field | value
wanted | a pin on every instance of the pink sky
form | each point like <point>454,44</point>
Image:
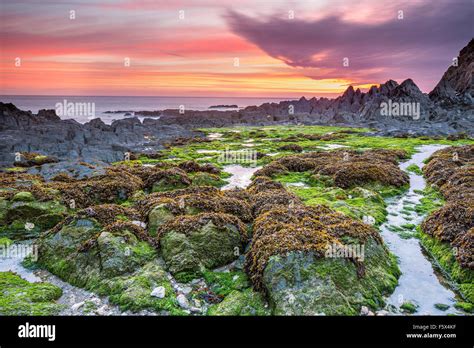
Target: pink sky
<point>283,48</point>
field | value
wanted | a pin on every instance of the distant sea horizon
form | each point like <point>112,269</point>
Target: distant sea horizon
<point>102,104</point>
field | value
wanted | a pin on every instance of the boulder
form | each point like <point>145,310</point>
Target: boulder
<point>203,241</point>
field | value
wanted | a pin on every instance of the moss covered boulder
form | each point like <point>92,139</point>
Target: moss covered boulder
<point>242,303</point>
<point>203,241</point>
<point>161,208</point>
<point>134,292</point>
<point>207,179</point>
<point>167,180</point>
<point>84,253</point>
<point>20,297</point>
<point>302,283</point>
<point>24,217</point>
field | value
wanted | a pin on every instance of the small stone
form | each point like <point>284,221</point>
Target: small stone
<point>382,312</point>
<point>196,281</point>
<point>95,301</point>
<point>76,306</point>
<point>187,290</point>
<point>182,301</point>
<point>364,310</point>
<point>102,310</point>
<point>195,309</point>
<point>139,223</point>
<point>159,292</point>
<point>234,278</point>
<point>291,298</point>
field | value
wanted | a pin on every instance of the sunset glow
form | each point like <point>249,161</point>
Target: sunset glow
<point>219,48</point>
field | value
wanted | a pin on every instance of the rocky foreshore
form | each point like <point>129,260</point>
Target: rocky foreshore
<point>167,233</point>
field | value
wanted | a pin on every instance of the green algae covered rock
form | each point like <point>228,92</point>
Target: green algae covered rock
<point>20,297</point>
<point>247,302</point>
<point>207,179</point>
<point>158,216</point>
<point>203,241</point>
<point>134,292</point>
<point>23,217</point>
<point>301,283</point>
<point>114,260</point>
<point>23,197</point>
<point>84,254</point>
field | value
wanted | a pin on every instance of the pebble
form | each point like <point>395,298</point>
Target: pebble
<point>139,223</point>
<point>187,290</point>
<point>182,301</point>
<point>76,306</point>
<point>102,310</point>
<point>364,310</point>
<point>159,292</point>
<point>382,312</point>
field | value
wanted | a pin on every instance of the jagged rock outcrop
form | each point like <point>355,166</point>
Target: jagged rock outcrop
<point>457,84</point>
<point>46,134</point>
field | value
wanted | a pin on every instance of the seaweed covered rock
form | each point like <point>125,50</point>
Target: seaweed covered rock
<point>291,147</point>
<point>347,168</point>
<point>168,179</point>
<point>24,217</point>
<point>207,179</point>
<point>111,187</point>
<point>83,251</point>
<point>134,292</point>
<point>450,221</point>
<point>447,233</point>
<point>452,171</point>
<point>242,303</point>
<point>31,159</point>
<point>361,173</point>
<point>465,249</point>
<point>20,297</point>
<point>302,257</point>
<point>160,208</point>
<point>203,241</point>
<point>192,166</point>
<point>452,163</point>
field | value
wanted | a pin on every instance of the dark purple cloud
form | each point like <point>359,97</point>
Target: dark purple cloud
<point>419,46</point>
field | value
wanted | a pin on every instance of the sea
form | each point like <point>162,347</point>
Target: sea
<point>101,104</point>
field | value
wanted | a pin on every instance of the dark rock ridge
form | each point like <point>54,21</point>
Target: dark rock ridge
<point>46,133</point>
<point>456,85</point>
<point>448,109</point>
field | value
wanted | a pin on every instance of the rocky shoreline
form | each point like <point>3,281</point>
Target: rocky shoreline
<point>160,234</point>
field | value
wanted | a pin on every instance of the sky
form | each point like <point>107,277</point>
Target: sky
<point>246,48</point>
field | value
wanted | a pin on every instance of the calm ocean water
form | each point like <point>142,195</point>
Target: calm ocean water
<point>102,104</point>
